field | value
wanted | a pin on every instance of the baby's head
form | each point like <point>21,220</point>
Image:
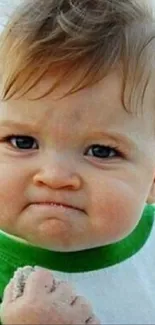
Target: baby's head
<point>76,76</point>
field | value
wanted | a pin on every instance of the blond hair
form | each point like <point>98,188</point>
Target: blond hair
<point>98,35</point>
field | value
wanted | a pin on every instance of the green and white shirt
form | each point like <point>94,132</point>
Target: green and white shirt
<point>118,279</point>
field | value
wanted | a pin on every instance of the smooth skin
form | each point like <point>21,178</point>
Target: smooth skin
<point>83,150</point>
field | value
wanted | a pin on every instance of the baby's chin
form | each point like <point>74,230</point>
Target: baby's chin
<point>53,239</point>
<point>58,245</point>
<point>58,242</point>
<point>65,246</point>
<point>71,243</point>
<point>59,236</point>
<point>63,243</point>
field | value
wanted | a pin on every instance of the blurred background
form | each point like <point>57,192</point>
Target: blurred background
<point>6,7</point>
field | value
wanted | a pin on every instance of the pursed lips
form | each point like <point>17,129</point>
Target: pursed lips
<point>57,204</point>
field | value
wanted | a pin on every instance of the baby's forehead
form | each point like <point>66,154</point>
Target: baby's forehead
<point>100,106</point>
<point>95,110</point>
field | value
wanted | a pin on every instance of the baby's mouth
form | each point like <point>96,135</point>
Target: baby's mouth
<point>51,208</point>
<point>55,205</point>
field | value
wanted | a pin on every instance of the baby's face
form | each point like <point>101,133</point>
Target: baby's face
<point>83,151</point>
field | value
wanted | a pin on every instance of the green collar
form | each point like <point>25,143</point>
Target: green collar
<point>18,254</point>
<point>14,254</point>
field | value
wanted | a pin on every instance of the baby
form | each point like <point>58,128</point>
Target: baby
<point>77,163</point>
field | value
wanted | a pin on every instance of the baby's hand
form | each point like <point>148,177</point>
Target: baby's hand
<point>37,298</point>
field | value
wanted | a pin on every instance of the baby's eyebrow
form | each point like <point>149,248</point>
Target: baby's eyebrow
<point>19,125</point>
<point>117,137</point>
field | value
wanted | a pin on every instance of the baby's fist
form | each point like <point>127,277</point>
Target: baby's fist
<point>33,296</point>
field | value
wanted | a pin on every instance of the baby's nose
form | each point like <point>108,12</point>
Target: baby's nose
<point>58,176</point>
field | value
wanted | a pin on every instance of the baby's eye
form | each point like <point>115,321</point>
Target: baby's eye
<point>23,142</point>
<point>100,151</point>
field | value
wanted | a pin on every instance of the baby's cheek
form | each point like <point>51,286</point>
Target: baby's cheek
<point>11,197</point>
<point>116,214</point>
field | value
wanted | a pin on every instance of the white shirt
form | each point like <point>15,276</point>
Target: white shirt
<point>123,293</point>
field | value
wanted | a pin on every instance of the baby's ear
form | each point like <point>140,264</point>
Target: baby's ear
<point>151,196</point>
